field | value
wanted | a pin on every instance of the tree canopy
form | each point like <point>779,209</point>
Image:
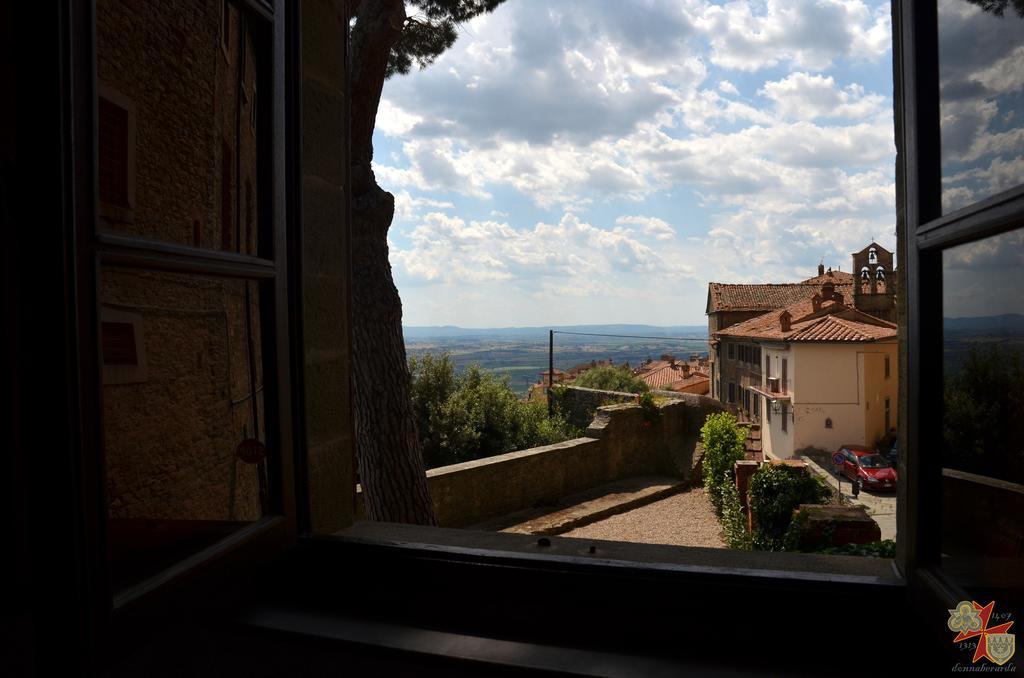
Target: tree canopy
<point>472,415</point>
<point>611,378</point>
<point>432,30</point>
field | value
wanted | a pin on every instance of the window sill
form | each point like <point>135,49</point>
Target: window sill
<point>497,598</point>
<point>506,547</point>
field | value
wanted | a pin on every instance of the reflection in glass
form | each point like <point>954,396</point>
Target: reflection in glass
<point>981,79</point>
<point>983,417</point>
<point>176,141</point>
<point>183,414</point>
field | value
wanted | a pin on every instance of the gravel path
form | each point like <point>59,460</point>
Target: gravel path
<point>685,519</point>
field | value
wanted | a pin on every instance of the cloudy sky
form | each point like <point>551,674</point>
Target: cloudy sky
<point>600,161</point>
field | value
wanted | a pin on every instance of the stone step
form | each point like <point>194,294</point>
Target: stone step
<point>587,507</point>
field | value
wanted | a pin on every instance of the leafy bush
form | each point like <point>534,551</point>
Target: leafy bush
<point>775,492</point>
<point>611,378</point>
<point>734,522</point>
<point>649,406</point>
<point>724,444</point>
<point>461,417</point>
<point>877,549</point>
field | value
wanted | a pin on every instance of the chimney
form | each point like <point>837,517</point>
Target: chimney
<point>821,268</point>
<point>784,320</point>
<point>816,302</point>
<point>828,290</point>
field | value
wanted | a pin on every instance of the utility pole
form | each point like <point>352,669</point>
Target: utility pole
<point>551,372</point>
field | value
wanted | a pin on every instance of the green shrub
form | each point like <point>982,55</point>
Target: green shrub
<point>775,492</point>
<point>724,444</point>
<point>649,407</point>
<point>734,522</point>
<point>461,417</point>
<point>611,378</point>
<point>876,549</point>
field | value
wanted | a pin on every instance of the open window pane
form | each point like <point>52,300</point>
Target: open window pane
<point>981,49</point>
<point>183,414</point>
<point>176,118</point>
<point>983,418</point>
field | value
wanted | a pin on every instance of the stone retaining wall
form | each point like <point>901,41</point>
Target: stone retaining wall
<point>621,442</point>
<point>579,404</point>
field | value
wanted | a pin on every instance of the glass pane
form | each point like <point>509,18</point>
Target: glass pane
<point>983,419</point>
<point>981,49</point>
<point>176,123</point>
<point>183,414</point>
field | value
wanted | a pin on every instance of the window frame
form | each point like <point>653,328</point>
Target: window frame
<point>110,610</point>
<point>927,233</point>
<point>920,241</point>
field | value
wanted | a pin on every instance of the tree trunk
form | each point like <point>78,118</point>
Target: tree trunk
<point>388,452</point>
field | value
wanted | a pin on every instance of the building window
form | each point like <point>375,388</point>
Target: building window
<point>225,29</point>
<point>122,347</point>
<point>115,154</point>
<point>227,222</point>
<point>785,375</point>
<point>785,418</point>
<point>732,392</point>
<point>112,153</point>
<point>887,367</point>
<point>732,351</point>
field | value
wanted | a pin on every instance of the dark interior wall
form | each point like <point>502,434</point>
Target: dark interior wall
<point>42,512</point>
<point>15,620</point>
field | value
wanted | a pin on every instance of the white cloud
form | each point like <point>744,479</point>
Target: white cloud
<point>810,34</point>
<point>652,226</point>
<point>589,109</point>
<point>447,249</point>
<point>801,96</point>
<point>726,87</point>
<point>393,121</point>
<point>406,205</point>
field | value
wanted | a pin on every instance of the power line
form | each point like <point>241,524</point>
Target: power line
<point>629,336</point>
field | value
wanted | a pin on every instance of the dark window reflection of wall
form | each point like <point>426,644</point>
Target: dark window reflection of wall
<point>183,402</point>
<point>174,118</point>
<point>981,52</point>
<point>176,478</point>
<point>983,417</point>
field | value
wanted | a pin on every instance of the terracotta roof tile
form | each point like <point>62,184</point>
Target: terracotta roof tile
<point>833,321</point>
<point>665,376</point>
<point>770,296</point>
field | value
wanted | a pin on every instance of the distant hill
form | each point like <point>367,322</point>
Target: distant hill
<point>1010,323</point>
<point>537,333</point>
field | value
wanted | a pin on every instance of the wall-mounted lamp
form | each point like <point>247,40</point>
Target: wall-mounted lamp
<point>776,406</point>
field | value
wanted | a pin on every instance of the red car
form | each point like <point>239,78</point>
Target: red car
<point>867,466</point>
